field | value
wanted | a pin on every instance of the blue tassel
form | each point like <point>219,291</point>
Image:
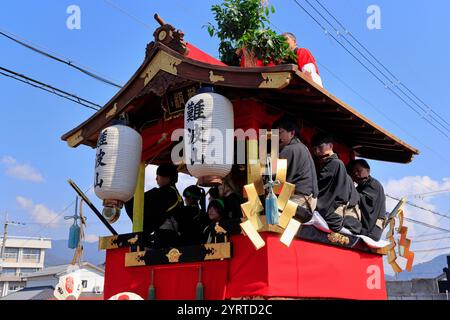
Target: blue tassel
<point>151,289</point>
<point>74,236</point>
<point>199,291</point>
<point>271,208</point>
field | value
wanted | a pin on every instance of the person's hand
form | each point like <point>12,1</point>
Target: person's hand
<point>308,74</point>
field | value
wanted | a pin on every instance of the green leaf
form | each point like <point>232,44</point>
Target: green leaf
<point>272,8</point>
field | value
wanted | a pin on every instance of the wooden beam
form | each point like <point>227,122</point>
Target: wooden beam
<point>197,253</point>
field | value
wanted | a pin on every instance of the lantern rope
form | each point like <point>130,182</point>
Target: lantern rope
<point>78,254</point>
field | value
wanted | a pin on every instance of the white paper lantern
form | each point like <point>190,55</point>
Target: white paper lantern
<point>207,117</point>
<point>69,286</point>
<point>118,156</point>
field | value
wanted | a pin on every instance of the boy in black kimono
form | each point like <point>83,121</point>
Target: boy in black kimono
<point>301,170</point>
<point>372,200</point>
<point>161,206</point>
<point>338,198</point>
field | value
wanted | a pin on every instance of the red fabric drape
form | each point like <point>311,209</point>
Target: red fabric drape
<point>171,282</point>
<point>304,270</point>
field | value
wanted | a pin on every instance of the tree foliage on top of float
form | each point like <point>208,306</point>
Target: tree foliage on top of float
<point>242,24</point>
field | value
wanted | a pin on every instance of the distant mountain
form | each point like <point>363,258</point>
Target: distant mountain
<point>61,254</point>
<point>429,269</point>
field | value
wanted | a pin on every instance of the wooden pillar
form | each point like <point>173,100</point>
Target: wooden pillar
<point>138,204</point>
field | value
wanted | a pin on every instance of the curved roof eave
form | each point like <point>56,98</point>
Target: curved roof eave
<point>283,85</point>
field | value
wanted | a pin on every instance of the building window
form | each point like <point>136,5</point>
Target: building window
<point>11,254</point>
<point>15,286</point>
<point>84,284</point>
<point>9,271</point>
<point>28,270</point>
<point>31,255</point>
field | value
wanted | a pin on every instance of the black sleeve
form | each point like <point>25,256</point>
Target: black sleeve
<point>233,206</point>
<point>168,201</point>
<point>353,193</point>
<point>367,202</point>
<point>333,191</point>
<point>342,187</point>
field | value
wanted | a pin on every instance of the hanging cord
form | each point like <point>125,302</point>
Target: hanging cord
<point>151,289</point>
<point>199,292</point>
<point>78,254</point>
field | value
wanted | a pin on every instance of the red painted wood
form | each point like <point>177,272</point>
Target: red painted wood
<point>304,270</point>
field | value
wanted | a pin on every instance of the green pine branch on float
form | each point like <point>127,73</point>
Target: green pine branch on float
<point>242,27</point>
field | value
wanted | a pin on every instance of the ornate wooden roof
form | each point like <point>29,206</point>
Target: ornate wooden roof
<point>283,87</point>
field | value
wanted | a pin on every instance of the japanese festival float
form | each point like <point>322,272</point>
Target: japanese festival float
<point>178,86</point>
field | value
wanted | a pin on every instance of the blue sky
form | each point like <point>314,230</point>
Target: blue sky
<point>412,42</point>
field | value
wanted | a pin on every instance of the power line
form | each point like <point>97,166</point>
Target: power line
<point>66,61</point>
<point>382,113</point>
<point>419,207</point>
<point>378,61</point>
<point>434,239</point>
<point>130,15</point>
<point>371,63</point>
<point>431,234</point>
<point>370,71</point>
<point>374,107</point>
<point>426,224</point>
<point>49,88</point>
<point>430,250</point>
<point>427,194</point>
<point>46,225</point>
<point>444,126</point>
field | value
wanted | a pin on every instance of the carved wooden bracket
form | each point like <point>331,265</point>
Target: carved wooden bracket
<point>169,36</point>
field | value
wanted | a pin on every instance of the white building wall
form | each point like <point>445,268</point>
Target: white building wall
<point>93,278</point>
<point>22,243</point>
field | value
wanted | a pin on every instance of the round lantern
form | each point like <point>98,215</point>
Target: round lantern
<point>208,135</point>
<point>117,161</point>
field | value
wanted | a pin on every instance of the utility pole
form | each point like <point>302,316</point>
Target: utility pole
<point>5,235</point>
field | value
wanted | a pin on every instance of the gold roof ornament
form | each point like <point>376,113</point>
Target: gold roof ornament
<point>403,243</point>
<point>253,208</point>
<point>174,255</point>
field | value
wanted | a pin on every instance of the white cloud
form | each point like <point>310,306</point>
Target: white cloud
<point>24,203</point>
<point>8,160</point>
<point>39,212</point>
<point>91,238</point>
<point>21,171</point>
<point>411,186</point>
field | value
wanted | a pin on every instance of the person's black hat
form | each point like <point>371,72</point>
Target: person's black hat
<point>169,171</point>
<point>219,205</point>
<point>193,191</point>
<point>320,138</point>
<point>287,123</point>
<point>214,192</point>
<point>363,163</point>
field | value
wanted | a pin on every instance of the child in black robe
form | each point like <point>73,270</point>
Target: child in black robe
<point>372,200</point>
<point>338,198</point>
